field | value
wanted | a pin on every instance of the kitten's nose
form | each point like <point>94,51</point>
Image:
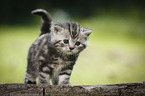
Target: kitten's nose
<point>71,48</point>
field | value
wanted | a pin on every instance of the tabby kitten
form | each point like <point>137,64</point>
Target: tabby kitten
<point>54,53</point>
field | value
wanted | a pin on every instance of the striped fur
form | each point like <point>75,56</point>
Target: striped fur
<point>54,53</point>
<point>46,20</point>
<point>74,29</point>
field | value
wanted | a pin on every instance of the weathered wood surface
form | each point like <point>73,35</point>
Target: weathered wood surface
<point>128,89</point>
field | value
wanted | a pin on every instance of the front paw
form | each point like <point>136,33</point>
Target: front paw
<point>66,85</point>
<point>30,82</point>
<point>43,85</point>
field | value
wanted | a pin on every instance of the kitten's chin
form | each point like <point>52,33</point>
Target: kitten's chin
<point>69,53</point>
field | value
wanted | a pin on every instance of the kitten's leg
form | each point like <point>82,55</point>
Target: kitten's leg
<point>43,79</point>
<point>64,76</point>
<point>31,74</point>
<point>30,78</point>
<point>44,76</point>
<point>64,80</point>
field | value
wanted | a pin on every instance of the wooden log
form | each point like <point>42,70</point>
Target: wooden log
<point>125,89</point>
<point>20,90</point>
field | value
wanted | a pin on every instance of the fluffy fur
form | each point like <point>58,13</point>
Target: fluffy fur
<point>54,53</point>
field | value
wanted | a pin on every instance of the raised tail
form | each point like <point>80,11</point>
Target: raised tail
<point>46,20</point>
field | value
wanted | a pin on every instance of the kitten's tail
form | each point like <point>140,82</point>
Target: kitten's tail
<point>46,20</point>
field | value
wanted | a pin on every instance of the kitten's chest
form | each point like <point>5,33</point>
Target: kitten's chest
<point>59,62</point>
<point>55,59</point>
<point>58,65</point>
<point>54,56</point>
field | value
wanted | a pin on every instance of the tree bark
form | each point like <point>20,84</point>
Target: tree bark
<point>125,89</point>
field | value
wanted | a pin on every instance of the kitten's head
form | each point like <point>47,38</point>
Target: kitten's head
<point>70,38</point>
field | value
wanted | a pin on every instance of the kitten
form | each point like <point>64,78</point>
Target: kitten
<point>54,53</point>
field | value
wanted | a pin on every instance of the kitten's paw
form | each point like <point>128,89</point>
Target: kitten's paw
<point>30,82</point>
<point>42,85</point>
<point>66,85</point>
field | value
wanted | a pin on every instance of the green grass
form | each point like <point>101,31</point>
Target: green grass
<point>115,53</point>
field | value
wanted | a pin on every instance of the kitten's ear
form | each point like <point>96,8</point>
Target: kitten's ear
<point>57,28</point>
<point>87,31</point>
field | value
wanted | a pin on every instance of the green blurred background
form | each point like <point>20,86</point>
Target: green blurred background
<point>116,51</point>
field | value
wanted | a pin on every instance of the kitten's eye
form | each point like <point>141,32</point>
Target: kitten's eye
<point>77,43</point>
<point>66,41</point>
